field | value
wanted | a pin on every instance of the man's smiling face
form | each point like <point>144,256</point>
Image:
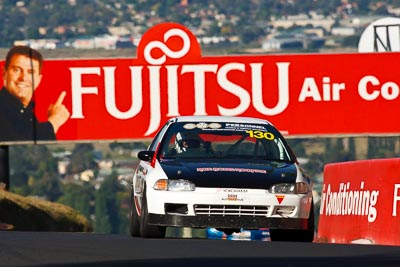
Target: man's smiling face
<point>19,76</point>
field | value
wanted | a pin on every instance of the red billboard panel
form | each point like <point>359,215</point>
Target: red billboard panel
<point>360,202</point>
<point>302,94</point>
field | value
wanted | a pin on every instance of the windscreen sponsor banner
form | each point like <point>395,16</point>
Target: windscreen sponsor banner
<point>360,202</point>
<point>302,94</point>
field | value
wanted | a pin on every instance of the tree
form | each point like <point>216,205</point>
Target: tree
<point>251,34</point>
<point>79,197</point>
<point>82,158</point>
<point>108,216</point>
<point>102,219</point>
<point>123,199</point>
<point>47,186</point>
<point>37,162</point>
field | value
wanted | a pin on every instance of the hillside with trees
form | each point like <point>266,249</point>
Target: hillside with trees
<point>39,19</point>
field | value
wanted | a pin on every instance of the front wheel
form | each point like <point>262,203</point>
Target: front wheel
<point>134,219</point>
<point>296,235</point>
<point>147,230</point>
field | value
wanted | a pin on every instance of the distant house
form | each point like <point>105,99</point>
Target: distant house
<point>343,31</point>
<point>125,41</point>
<point>303,20</point>
<point>82,43</point>
<point>87,175</point>
<point>91,42</point>
<point>292,41</point>
<point>280,42</point>
<point>40,43</point>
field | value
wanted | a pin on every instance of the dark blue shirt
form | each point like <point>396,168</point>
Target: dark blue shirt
<point>19,123</point>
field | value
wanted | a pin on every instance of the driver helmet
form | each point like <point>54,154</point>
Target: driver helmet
<point>186,140</point>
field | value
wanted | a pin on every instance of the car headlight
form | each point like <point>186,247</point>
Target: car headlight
<point>174,185</point>
<point>297,188</point>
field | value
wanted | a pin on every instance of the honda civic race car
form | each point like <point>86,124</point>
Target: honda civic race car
<point>221,172</point>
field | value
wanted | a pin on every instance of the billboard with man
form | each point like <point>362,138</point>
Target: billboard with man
<point>129,98</point>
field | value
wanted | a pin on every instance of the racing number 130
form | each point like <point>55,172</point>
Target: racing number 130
<point>260,134</point>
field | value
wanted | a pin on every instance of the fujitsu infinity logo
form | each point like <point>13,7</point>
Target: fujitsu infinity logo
<point>165,49</point>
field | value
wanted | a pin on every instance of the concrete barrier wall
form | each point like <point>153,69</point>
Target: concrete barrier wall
<point>360,202</point>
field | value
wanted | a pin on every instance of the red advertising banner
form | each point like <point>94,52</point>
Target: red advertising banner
<point>360,202</point>
<point>302,94</point>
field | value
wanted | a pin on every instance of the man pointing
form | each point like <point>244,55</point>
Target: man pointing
<point>21,76</point>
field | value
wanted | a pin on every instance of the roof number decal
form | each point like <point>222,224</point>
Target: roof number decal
<point>260,134</point>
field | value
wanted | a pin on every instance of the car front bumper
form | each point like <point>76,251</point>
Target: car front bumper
<point>228,222</point>
<point>229,208</point>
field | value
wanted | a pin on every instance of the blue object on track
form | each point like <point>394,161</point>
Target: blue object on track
<point>244,235</point>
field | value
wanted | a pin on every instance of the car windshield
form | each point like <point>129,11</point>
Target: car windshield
<point>223,140</point>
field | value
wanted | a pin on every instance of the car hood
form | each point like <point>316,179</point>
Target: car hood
<point>231,174</point>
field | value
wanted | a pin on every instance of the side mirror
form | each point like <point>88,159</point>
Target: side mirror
<point>145,155</point>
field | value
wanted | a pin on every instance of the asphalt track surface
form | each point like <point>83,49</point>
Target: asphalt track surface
<point>83,249</point>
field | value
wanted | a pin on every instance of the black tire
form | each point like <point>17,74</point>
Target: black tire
<point>134,218</point>
<point>296,235</point>
<point>309,235</point>
<point>147,230</point>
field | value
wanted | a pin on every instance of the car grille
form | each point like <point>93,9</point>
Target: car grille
<point>230,210</point>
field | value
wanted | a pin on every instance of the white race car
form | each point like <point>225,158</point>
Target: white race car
<point>222,172</point>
